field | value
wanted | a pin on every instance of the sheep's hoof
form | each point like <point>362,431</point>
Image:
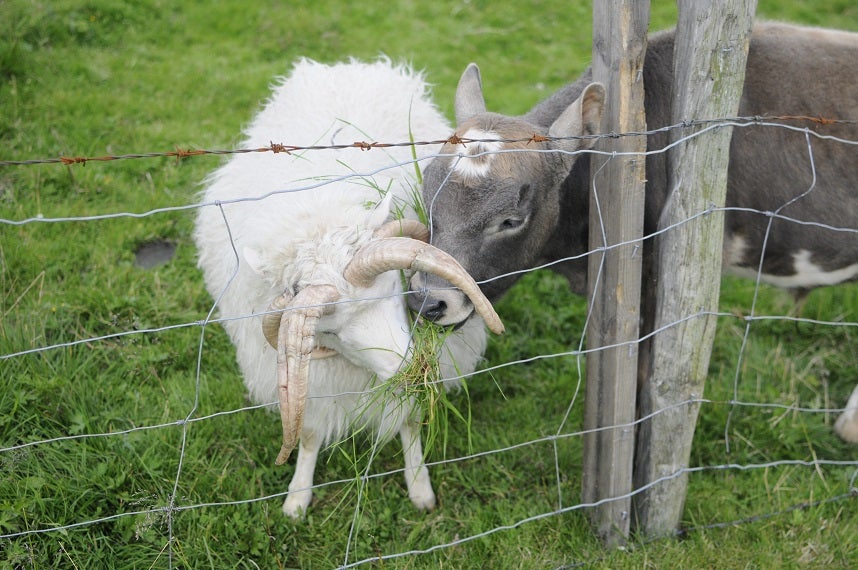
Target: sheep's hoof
<point>423,499</point>
<point>846,426</point>
<point>296,504</point>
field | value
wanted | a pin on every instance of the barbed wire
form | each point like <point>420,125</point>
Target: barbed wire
<point>277,148</point>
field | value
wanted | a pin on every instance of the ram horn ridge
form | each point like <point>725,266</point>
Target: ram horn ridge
<point>295,341</point>
<point>392,253</point>
<point>271,325</point>
<point>404,227</point>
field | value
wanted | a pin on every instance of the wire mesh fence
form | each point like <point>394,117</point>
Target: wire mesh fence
<point>773,419</point>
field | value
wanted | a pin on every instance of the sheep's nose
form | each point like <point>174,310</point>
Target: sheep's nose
<point>434,310</point>
<point>429,307</point>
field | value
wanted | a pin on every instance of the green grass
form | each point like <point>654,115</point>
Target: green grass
<point>96,77</point>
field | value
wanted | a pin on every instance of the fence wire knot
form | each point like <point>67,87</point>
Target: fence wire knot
<point>278,147</point>
<point>69,160</point>
<point>185,153</point>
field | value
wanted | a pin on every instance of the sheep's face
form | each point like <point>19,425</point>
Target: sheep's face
<point>367,325</point>
<point>497,212</point>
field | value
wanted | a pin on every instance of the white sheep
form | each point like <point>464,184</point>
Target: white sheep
<point>326,256</point>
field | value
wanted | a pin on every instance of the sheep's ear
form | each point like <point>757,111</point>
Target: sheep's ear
<point>381,212</point>
<point>581,118</point>
<point>254,260</point>
<point>469,94</point>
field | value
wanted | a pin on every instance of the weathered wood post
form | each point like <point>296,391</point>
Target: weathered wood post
<point>709,70</point>
<point>616,216</point>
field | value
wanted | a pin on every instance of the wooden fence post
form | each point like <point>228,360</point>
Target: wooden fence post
<point>709,69</point>
<point>616,216</point>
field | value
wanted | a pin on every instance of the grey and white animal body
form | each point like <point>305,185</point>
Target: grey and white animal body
<point>505,213</point>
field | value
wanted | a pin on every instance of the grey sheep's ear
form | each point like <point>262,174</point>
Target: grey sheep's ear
<point>581,118</point>
<point>469,94</point>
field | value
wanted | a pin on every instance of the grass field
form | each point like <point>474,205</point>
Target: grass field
<point>97,77</point>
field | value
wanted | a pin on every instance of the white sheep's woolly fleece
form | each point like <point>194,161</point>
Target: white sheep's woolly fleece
<point>308,236</point>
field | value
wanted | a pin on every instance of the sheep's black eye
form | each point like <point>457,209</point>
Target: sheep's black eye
<point>510,224</point>
<point>505,227</point>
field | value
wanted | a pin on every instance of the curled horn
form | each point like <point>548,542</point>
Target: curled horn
<point>295,342</point>
<point>271,321</point>
<point>274,313</point>
<point>380,255</point>
<point>271,324</point>
<point>404,227</point>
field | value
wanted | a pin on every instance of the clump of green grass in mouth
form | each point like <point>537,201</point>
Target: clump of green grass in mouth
<point>420,379</point>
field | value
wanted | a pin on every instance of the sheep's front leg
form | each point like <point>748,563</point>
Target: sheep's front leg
<point>300,488</point>
<point>416,475</point>
<point>846,425</point>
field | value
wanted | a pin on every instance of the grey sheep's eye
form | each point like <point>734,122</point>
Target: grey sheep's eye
<point>510,224</point>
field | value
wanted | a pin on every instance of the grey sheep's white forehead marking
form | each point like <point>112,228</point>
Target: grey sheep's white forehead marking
<point>476,158</point>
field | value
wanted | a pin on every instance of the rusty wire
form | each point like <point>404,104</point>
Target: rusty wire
<point>272,147</point>
<point>453,139</point>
